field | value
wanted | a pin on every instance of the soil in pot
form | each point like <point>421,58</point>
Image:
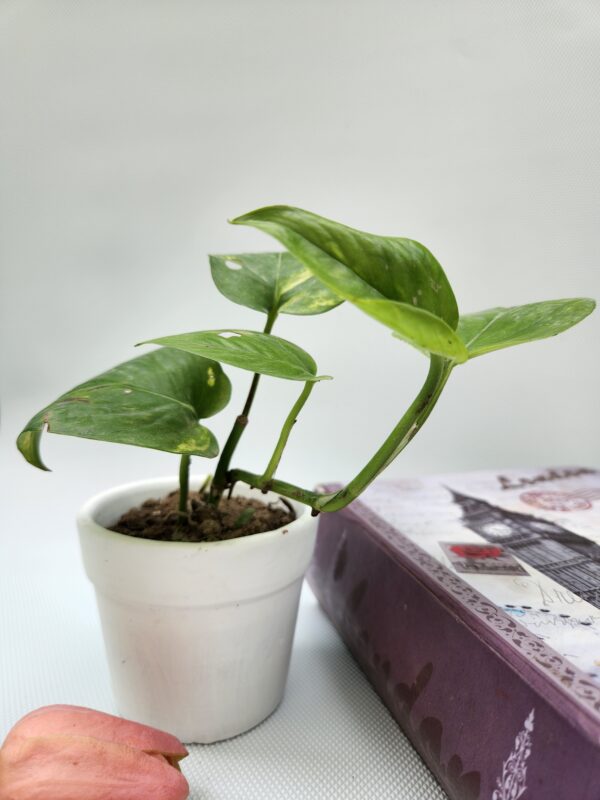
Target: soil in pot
<point>234,517</point>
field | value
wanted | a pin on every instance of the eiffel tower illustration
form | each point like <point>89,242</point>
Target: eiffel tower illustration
<point>571,560</point>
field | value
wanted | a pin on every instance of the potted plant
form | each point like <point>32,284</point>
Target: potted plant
<point>198,591</point>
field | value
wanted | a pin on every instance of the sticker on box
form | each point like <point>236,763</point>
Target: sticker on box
<point>482,559</point>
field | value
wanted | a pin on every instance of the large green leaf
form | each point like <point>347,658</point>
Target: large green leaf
<point>357,265</point>
<point>257,352</point>
<point>154,401</point>
<point>496,328</point>
<point>274,283</point>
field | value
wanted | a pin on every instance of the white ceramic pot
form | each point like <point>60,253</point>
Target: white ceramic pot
<point>198,635</point>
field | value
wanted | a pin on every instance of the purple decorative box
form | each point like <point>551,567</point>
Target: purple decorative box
<point>472,603</point>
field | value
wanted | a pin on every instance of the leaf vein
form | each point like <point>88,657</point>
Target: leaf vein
<point>120,385</point>
<point>485,327</point>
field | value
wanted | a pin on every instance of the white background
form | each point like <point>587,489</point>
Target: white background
<point>129,133</point>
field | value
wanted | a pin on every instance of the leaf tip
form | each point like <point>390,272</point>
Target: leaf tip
<point>263,214</point>
<point>28,443</point>
<point>589,303</point>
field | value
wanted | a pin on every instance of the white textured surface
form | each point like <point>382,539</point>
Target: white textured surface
<point>331,737</point>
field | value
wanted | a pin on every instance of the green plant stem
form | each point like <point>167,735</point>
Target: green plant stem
<point>219,482</point>
<point>184,484</point>
<point>403,433</point>
<point>285,433</point>
<point>279,487</point>
<point>405,430</point>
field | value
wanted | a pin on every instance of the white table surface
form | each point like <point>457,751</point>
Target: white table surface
<point>330,738</point>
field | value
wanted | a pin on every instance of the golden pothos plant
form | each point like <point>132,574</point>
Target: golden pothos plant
<point>161,399</point>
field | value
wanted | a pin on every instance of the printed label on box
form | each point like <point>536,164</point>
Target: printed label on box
<point>484,559</point>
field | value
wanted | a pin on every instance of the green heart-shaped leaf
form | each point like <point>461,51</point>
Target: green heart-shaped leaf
<point>357,265</point>
<point>153,401</point>
<point>496,328</point>
<point>274,283</point>
<point>256,352</point>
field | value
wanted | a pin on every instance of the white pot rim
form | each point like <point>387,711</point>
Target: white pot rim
<point>88,514</point>
<point>139,570</point>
